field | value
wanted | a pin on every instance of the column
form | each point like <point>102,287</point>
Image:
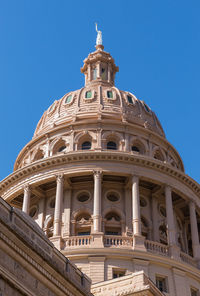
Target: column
<point>89,73</point>
<point>67,212</point>
<point>194,231</point>
<point>126,146</point>
<point>138,239</point>
<point>128,210</point>
<point>41,212</point>
<point>97,202</point>
<point>136,206</point>
<point>109,72</point>
<point>98,70</point>
<point>154,201</point>
<point>58,206</point>
<point>170,216</point>
<point>26,199</point>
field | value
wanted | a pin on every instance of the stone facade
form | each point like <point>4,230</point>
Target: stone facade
<point>29,262</point>
<point>108,189</point>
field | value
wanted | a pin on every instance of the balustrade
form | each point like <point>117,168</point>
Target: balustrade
<point>188,259</point>
<point>114,241</point>
<point>77,241</point>
<point>156,247</point>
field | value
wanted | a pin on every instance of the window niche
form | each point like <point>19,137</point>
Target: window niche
<point>161,283</point>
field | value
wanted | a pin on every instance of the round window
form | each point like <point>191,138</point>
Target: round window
<point>143,202</point>
<point>83,197</point>
<point>52,203</point>
<point>112,197</point>
<point>33,212</point>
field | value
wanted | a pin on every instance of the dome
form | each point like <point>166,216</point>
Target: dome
<point>99,108</point>
<point>107,188</point>
<point>99,100</point>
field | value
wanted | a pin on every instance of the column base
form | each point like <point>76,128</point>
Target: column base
<point>97,240</point>
<point>138,243</point>
<point>57,241</point>
<point>174,252</point>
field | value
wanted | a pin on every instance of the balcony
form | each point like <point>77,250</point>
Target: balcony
<point>121,242</point>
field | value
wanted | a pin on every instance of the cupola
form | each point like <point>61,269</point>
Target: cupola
<point>99,66</point>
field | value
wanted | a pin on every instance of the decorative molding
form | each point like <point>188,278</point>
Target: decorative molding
<point>123,157</point>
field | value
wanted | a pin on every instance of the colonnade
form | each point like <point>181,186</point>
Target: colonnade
<point>63,200</point>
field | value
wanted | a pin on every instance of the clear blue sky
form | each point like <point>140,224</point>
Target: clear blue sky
<point>156,45</point>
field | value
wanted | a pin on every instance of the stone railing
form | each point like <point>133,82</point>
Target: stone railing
<point>78,241</point>
<point>156,247</point>
<point>118,241</point>
<point>188,259</point>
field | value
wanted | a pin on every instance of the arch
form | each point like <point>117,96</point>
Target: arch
<point>159,154</point>
<point>38,154</point>
<point>114,209</point>
<point>112,223</point>
<point>140,144</point>
<point>81,210</point>
<point>82,223</point>
<point>112,136</point>
<point>59,146</point>
<point>84,136</point>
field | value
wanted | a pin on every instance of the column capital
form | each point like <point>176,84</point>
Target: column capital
<point>168,187</point>
<point>27,188</point>
<point>97,173</point>
<point>192,203</point>
<point>135,178</point>
<point>60,178</point>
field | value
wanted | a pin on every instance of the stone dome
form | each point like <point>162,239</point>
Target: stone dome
<point>99,99</point>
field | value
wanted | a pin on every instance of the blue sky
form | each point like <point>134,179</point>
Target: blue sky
<point>156,45</point>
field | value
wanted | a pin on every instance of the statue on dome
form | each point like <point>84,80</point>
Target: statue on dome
<point>99,37</point>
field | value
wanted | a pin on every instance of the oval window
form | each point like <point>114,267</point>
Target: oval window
<point>112,197</point>
<point>68,99</point>
<point>143,202</point>
<point>83,197</point>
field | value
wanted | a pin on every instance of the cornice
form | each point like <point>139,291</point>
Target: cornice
<point>105,156</point>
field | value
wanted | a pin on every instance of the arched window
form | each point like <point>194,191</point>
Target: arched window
<point>113,224</point>
<point>158,155</point>
<point>111,145</point>
<point>61,148</point>
<point>86,145</point>
<point>135,149</point>
<point>39,155</point>
<point>83,224</point>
